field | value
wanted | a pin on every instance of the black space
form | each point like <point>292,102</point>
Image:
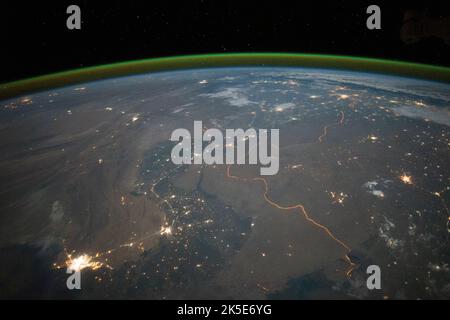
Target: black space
<point>35,40</point>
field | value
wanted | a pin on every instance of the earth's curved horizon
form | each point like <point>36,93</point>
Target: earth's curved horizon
<point>364,179</point>
<point>225,60</point>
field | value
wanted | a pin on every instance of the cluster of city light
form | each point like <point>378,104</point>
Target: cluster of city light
<point>82,262</point>
<point>92,262</point>
<point>166,230</point>
<point>406,179</point>
<point>338,197</point>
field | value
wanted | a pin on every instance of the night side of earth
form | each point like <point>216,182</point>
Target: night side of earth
<point>87,182</point>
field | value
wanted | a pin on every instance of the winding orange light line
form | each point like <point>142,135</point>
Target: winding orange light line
<point>302,210</point>
<point>300,206</point>
<point>325,128</point>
